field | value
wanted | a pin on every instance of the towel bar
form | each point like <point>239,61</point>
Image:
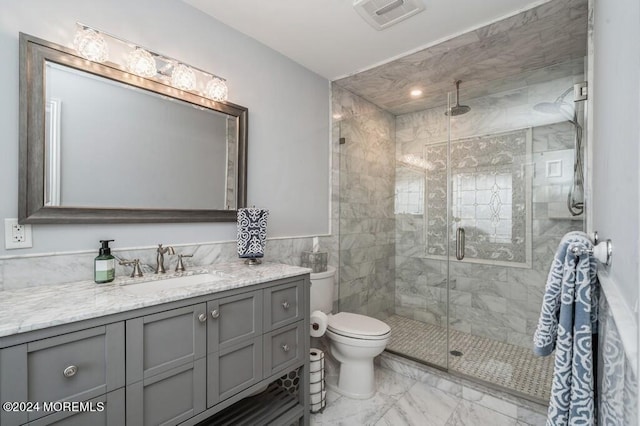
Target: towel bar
<point>602,251</point>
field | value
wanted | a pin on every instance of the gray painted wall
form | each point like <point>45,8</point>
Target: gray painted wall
<point>615,91</point>
<point>288,116</point>
<point>616,147</point>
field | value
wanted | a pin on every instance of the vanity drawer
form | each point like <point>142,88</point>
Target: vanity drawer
<point>234,319</point>
<point>71,367</point>
<point>283,305</point>
<point>108,410</point>
<point>283,348</point>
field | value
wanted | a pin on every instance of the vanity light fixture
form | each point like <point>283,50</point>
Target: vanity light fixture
<point>183,77</point>
<point>216,89</point>
<point>91,45</point>
<point>140,62</point>
<point>94,45</point>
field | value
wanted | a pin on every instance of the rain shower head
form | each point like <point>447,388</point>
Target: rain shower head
<point>457,109</point>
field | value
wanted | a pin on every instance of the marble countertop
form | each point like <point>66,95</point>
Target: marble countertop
<point>45,306</point>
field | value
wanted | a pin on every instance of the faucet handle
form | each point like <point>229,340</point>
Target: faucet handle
<point>180,266</point>
<point>137,272</point>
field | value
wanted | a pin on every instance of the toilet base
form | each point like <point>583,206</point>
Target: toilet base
<point>350,382</point>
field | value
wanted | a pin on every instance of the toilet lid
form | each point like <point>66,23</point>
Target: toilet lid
<point>354,325</point>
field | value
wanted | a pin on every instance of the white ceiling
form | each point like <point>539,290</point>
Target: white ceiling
<point>331,39</point>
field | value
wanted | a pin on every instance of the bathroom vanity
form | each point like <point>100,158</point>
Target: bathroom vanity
<point>209,352</point>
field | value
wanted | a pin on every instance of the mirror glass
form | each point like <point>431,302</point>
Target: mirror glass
<point>109,144</point>
<point>101,145</point>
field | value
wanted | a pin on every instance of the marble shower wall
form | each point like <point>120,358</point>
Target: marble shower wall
<point>366,176</point>
<point>497,301</point>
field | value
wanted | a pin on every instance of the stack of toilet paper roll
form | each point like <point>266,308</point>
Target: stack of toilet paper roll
<point>317,391</point>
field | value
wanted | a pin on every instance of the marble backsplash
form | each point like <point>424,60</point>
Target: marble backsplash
<point>57,268</point>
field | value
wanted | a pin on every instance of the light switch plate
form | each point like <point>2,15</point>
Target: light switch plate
<point>16,236</point>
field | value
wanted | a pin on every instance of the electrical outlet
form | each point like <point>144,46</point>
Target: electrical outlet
<point>16,236</point>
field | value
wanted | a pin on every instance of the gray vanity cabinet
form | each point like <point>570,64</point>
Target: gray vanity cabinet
<point>166,366</point>
<point>168,398</point>
<point>160,342</point>
<point>234,319</point>
<point>176,363</point>
<point>112,413</point>
<point>283,305</point>
<point>234,345</point>
<point>75,366</point>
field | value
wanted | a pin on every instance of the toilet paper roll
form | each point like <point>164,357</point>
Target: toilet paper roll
<point>315,388</point>
<point>316,377</point>
<point>318,398</point>
<point>315,354</point>
<point>319,323</point>
<point>317,407</point>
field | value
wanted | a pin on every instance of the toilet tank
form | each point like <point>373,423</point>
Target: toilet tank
<point>322,290</point>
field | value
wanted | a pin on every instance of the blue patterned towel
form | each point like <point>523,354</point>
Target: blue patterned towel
<point>252,232</point>
<point>568,319</point>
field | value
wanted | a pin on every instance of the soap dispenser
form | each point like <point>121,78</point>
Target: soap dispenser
<point>104,270</point>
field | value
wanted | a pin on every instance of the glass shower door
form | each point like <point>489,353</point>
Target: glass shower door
<point>511,168</point>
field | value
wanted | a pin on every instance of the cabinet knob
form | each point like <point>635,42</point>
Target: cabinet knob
<point>70,371</point>
<point>202,317</point>
<point>285,348</point>
<point>215,314</point>
<point>285,305</point>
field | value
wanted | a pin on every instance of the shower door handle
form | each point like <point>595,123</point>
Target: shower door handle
<point>460,243</point>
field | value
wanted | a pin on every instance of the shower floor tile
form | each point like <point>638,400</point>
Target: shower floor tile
<point>512,367</point>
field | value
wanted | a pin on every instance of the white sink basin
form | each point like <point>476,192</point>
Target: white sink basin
<point>159,283</point>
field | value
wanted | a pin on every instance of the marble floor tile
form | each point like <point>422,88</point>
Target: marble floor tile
<point>421,405</point>
<point>469,413</point>
<point>404,401</point>
<point>340,410</point>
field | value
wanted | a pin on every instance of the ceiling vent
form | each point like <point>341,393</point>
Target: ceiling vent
<point>381,14</point>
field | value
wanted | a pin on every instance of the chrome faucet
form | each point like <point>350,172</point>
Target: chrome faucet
<point>160,257</point>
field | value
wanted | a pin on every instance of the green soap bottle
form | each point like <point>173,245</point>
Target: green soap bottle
<point>104,266</point>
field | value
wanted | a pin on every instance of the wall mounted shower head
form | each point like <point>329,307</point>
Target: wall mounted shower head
<point>457,109</point>
<point>557,107</point>
<point>549,107</point>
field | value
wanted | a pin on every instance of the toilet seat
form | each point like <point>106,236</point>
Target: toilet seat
<point>358,326</point>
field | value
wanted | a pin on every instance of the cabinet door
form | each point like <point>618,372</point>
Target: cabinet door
<point>234,319</point>
<point>168,398</point>
<point>233,369</point>
<point>159,342</point>
<point>71,367</point>
<point>283,305</point>
<point>283,348</point>
<point>105,410</point>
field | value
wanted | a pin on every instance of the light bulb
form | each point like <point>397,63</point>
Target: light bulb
<point>91,45</point>
<point>183,77</point>
<point>216,89</point>
<point>140,62</point>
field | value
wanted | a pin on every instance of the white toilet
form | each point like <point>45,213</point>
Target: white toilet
<point>354,340</point>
